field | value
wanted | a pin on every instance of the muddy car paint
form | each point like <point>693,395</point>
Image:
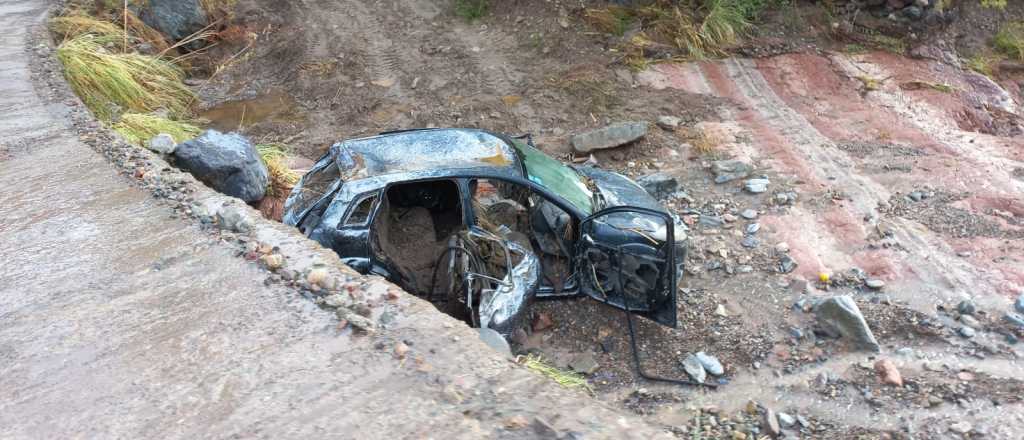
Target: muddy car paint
<point>366,167</point>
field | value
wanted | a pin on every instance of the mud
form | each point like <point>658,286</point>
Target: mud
<point>804,118</point>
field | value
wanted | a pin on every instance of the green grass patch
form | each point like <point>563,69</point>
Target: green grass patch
<point>566,379</point>
<point>282,178</point>
<point>994,4</point>
<point>111,83</point>
<point>472,9</point>
<point>139,128</point>
<point>982,64</point>
<point>1010,40</point>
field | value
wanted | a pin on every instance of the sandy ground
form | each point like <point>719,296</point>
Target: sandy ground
<point>915,186</point>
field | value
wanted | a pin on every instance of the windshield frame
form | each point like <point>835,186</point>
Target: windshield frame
<point>558,178</point>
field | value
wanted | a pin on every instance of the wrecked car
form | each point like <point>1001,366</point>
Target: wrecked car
<point>482,224</point>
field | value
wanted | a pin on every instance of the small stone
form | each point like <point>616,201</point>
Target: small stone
<point>1019,304</point>
<point>888,372</point>
<point>905,351</point>
<point>720,310</point>
<point>916,196</point>
<point>1014,319</point>
<point>966,307</point>
<point>711,221</point>
<point>970,321</point>
<point>234,218</point>
<point>401,350</point>
<point>729,218</point>
<point>750,242</point>
<point>316,276</point>
<point>516,422</point>
<point>273,262</point>
<point>786,264</point>
<point>802,421</point>
<point>753,228</point>
<point>162,143</point>
<point>729,170</point>
<point>739,435</point>
<point>933,366</point>
<point>782,247</point>
<point>694,368</point>
<point>710,364</point>
<point>961,427</point>
<point>748,214</point>
<point>874,283</point>
<point>786,420</point>
<point>967,332</point>
<point>756,186</point>
<point>584,363</point>
<point>669,123</point>
<point>840,315</point>
<point>771,423</point>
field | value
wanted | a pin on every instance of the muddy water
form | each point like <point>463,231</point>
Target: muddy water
<point>275,106</point>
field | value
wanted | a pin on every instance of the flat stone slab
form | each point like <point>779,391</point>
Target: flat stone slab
<point>608,137</point>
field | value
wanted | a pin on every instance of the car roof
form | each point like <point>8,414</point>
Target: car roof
<point>435,150</point>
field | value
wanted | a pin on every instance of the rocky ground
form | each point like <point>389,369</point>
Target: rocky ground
<point>893,180</point>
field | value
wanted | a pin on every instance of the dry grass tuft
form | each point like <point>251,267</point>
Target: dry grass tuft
<point>138,128</point>
<point>282,178</point>
<point>705,142</point>
<point>71,26</point>
<point>111,83</point>
<point>567,379</point>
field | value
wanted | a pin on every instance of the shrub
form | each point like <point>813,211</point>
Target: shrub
<point>472,9</point>
<point>1010,40</point>
<point>110,83</point>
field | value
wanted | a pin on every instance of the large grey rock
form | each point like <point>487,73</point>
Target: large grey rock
<point>840,315</point>
<point>609,137</point>
<point>226,162</point>
<point>177,19</point>
<point>659,185</point>
<point>729,170</point>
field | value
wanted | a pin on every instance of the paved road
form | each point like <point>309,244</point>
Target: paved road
<point>118,320</point>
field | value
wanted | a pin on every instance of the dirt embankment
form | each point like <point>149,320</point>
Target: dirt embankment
<point>901,170</point>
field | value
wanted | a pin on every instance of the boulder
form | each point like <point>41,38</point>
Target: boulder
<point>840,315</point>
<point>226,162</point>
<point>659,185</point>
<point>729,170</point>
<point>609,137</point>
<point>176,19</point>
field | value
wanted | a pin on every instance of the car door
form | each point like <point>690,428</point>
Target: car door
<point>625,258</point>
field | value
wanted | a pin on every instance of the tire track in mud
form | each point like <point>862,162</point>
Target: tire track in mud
<point>927,258</point>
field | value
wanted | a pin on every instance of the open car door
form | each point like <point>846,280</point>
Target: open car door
<point>626,258</point>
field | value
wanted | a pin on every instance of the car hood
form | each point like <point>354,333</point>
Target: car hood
<point>619,190</point>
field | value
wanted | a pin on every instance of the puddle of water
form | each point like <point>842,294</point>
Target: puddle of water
<point>275,106</point>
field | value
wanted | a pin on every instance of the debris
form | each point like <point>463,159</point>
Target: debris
<point>840,315</point>
<point>609,137</point>
<point>756,186</point>
<point>495,340</point>
<point>542,321</point>
<point>162,143</point>
<point>888,372</point>
<point>659,185</point>
<point>710,364</point>
<point>669,123</point>
<point>875,283</point>
<point>694,368</point>
<point>227,162</point>
<point>729,170</point>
